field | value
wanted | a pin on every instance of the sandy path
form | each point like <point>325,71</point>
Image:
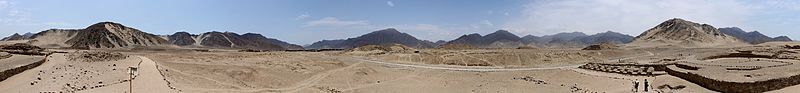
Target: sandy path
<point>149,79</point>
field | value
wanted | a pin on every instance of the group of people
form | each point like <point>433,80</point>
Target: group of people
<point>636,85</point>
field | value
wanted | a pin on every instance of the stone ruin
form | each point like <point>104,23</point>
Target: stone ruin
<point>23,48</point>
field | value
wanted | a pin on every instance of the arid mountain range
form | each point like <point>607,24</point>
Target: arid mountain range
<point>380,37</point>
<point>753,37</point>
<point>216,39</point>
<point>676,32</point>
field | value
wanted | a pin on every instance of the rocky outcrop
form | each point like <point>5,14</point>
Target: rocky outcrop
<point>380,37</point>
<point>679,32</point>
<point>753,37</point>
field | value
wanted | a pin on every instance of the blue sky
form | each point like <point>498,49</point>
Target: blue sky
<point>308,21</point>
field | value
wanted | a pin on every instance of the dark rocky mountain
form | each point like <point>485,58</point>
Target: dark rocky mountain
<point>182,39</point>
<point>325,44</point>
<point>782,38</point>
<point>606,37</point>
<point>440,42</point>
<point>112,35</point>
<point>684,33</point>
<point>15,36</point>
<point>577,39</point>
<point>231,40</point>
<point>380,37</point>
<point>753,37</point>
<point>261,39</point>
<point>498,39</point>
<point>557,38</point>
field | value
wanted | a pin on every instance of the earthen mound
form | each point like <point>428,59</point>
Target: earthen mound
<point>602,46</point>
<point>4,55</point>
<point>21,46</point>
<point>526,47</point>
<point>388,48</point>
<point>457,46</point>
<point>792,47</point>
<point>96,56</point>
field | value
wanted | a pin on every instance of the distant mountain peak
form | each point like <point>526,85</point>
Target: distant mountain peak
<point>677,31</point>
<point>379,37</point>
<point>103,25</point>
<point>753,37</point>
<point>388,30</point>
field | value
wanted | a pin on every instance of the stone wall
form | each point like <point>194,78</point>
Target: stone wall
<point>734,87</point>
<point>627,69</point>
<point>11,72</point>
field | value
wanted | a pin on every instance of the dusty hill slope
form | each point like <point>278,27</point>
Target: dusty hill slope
<point>679,32</point>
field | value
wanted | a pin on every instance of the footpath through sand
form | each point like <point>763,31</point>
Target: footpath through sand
<point>148,80</point>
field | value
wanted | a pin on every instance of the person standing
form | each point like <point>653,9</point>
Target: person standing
<point>636,85</point>
<point>645,85</point>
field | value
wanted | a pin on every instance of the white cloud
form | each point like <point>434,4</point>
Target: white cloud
<point>488,23</point>
<point>627,16</point>
<point>490,12</point>
<point>390,3</point>
<point>4,4</point>
<point>505,13</point>
<point>302,16</point>
<point>332,21</point>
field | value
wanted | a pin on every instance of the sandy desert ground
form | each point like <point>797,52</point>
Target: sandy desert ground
<point>163,70</point>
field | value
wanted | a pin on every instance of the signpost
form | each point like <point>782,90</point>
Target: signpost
<point>132,72</point>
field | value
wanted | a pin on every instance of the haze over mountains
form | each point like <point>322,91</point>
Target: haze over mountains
<point>671,32</point>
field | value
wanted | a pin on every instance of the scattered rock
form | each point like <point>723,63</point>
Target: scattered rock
<point>531,79</point>
<point>95,56</point>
